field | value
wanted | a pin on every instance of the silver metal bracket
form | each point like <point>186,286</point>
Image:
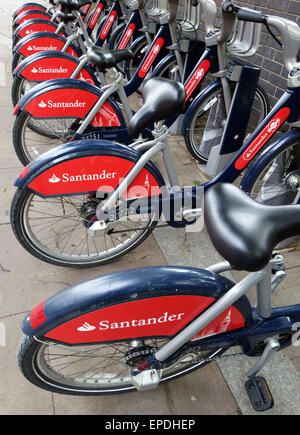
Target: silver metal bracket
<point>99,228</point>
<point>271,348</point>
<point>146,380</point>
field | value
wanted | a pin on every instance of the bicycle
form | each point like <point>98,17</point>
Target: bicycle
<point>66,126</point>
<point>135,329</point>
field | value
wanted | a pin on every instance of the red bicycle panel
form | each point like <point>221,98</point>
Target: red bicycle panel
<point>151,57</point>
<point>127,36</point>
<point>196,78</point>
<point>262,138</point>
<point>50,68</point>
<point>41,44</point>
<point>62,103</point>
<point>96,16</point>
<point>93,173</point>
<point>161,316</point>
<point>33,16</point>
<point>37,27</point>
<point>30,8</point>
<point>108,25</point>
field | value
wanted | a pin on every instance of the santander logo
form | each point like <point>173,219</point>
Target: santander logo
<point>107,324</point>
<point>67,178</point>
<point>273,125</point>
<point>41,48</point>
<point>42,70</point>
<point>262,138</point>
<point>86,327</point>
<point>54,179</point>
<point>64,105</point>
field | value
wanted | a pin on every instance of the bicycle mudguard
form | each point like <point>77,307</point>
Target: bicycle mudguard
<point>70,98</point>
<point>44,41</point>
<point>31,15</point>
<point>138,303</point>
<point>35,26</point>
<point>53,65</point>
<point>29,7</point>
<point>86,167</point>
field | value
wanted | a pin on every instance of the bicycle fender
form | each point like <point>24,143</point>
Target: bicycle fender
<point>256,167</point>
<point>118,29</point>
<point>162,64</point>
<point>86,167</point>
<point>154,301</point>
<point>36,26</point>
<point>29,7</point>
<point>44,41</point>
<point>70,98</point>
<point>197,102</point>
<point>51,65</point>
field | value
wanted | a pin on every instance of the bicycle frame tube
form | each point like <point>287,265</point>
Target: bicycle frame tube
<point>209,315</point>
<point>286,109</point>
<point>131,30</point>
<point>114,14</point>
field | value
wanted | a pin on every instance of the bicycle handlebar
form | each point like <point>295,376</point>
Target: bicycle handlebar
<point>254,16</point>
<point>288,30</point>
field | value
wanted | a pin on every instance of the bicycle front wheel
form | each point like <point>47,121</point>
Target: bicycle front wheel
<point>99,368</point>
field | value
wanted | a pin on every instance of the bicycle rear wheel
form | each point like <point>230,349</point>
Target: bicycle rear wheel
<point>97,369</point>
<point>55,230</point>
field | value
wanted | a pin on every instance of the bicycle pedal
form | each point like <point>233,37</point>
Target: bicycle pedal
<point>259,394</point>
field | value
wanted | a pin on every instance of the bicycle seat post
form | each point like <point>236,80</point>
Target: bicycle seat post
<point>264,293</point>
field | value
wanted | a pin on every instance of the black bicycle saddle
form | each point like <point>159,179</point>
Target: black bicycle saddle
<point>163,98</point>
<point>106,59</point>
<point>244,231</point>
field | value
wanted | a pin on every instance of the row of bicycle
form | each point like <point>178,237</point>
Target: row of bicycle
<point>107,141</point>
<point>97,196</point>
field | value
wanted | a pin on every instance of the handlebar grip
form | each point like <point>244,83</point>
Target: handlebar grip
<point>253,16</point>
<point>228,7</point>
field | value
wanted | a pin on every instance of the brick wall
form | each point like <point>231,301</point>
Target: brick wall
<point>273,74</point>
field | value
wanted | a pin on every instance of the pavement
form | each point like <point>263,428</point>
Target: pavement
<point>216,389</point>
